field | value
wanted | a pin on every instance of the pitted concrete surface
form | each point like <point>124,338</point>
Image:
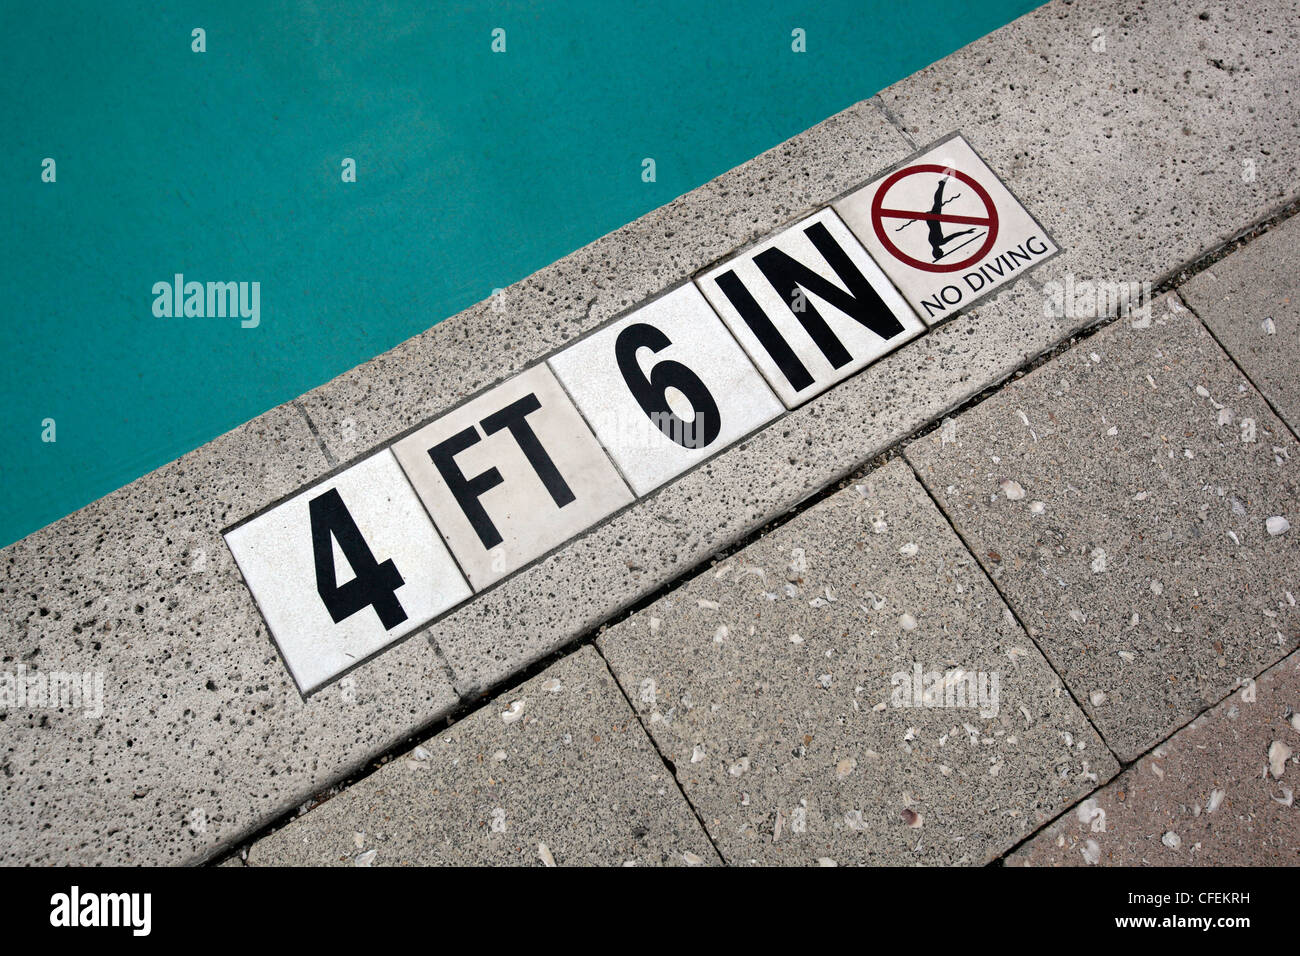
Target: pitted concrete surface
<point>202,734</point>
<point>1220,792</point>
<point>204,739</point>
<point>1142,134</point>
<point>557,771</point>
<point>1251,302</point>
<point>1129,498</point>
<point>770,682</point>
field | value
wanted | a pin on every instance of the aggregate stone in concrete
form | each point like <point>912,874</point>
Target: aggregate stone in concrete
<point>1251,301</point>
<point>511,474</point>
<point>597,574</point>
<point>665,387</point>
<point>366,513</point>
<point>1141,135</point>
<point>809,306</point>
<point>1208,796</point>
<point>780,684</point>
<point>505,333</point>
<point>203,735</point>
<point>1132,499</point>
<point>555,772</point>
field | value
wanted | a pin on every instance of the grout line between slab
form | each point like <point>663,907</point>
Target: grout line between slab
<point>1124,767</point>
<point>447,669</point>
<point>315,433</point>
<point>1006,602</point>
<point>669,766</point>
<point>892,120</point>
<point>1240,368</point>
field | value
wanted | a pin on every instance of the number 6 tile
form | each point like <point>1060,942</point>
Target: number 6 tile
<point>345,568</point>
<point>665,387</point>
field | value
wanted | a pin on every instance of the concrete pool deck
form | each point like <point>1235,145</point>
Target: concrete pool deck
<point>1142,155</point>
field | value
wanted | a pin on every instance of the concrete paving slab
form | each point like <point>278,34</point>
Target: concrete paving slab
<point>809,306</point>
<point>596,575</point>
<point>1126,498</point>
<point>665,388</point>
<point>783,685</point>
<point>1251,301</point>
<point>556,772</point>
<point>202,735</point>
<point>1142,135</point>
<point>1205,797</point>
<point>510,475</point>
<point>362,540</point>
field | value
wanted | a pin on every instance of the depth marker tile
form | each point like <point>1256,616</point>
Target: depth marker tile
<point>809,307</point>
<point>510,475</point>
<point>664,388</point>
<point>391,572</point>
<point>945,229</point>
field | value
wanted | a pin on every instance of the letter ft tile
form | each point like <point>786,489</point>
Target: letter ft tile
<point>665,388</point>
<point>510,475</point>
<point>809,307</point>
<point>344,568</point>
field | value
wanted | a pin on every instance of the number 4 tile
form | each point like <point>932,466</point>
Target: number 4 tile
<point>345,568</point>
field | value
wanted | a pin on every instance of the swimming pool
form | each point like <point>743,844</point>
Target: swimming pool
<point>474,168</point>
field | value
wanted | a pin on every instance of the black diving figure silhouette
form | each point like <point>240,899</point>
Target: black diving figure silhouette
<point>937,238</point>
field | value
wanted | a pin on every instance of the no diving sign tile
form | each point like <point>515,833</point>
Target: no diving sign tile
<point>945,230</point>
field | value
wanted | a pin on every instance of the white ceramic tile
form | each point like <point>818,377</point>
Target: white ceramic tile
<point>519,472</point>
<point>809,307</point>
<point>637,383</point>
<point>276,553</point>
<point>945,229</point>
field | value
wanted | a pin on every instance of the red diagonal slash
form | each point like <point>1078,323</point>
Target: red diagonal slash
<point>879,213</point>
<point>940,216</point>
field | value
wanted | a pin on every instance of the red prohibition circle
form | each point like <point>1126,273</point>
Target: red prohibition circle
<point>880,213</point>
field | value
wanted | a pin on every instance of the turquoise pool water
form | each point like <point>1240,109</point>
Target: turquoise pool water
<point>474,169</point>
